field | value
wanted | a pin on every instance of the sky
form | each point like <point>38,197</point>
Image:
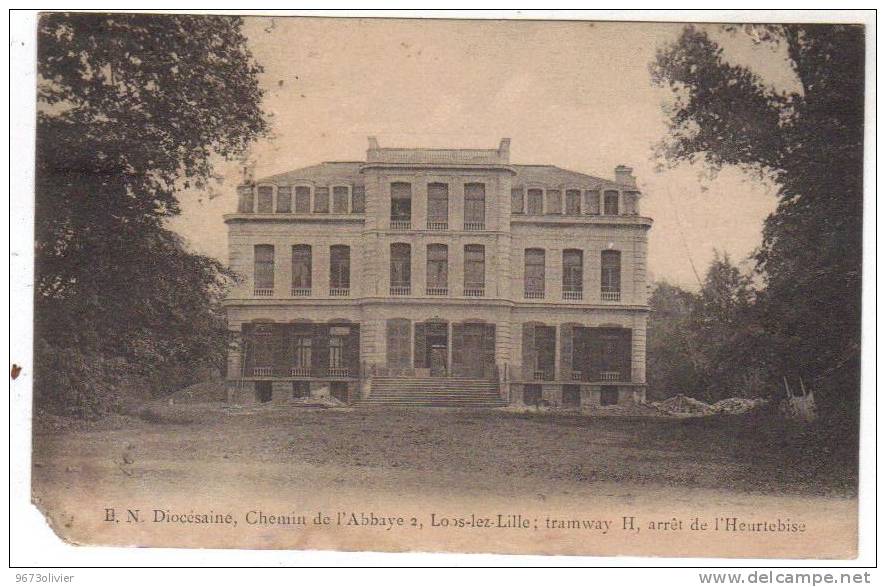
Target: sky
<point>573,94</point>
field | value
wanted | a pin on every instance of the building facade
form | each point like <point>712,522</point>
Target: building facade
<point>439,263</point>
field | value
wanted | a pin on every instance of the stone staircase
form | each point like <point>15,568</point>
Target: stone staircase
<point>437,392</point>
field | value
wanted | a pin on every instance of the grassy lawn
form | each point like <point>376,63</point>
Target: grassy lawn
<point>734,453</point>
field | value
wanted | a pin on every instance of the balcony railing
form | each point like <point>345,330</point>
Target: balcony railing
<point>610,296</point>
<point>437,291</point>
<point>475,225</point>
<point>262,371</point>
<point>572,294</point>
<point>301,292</point>
<point>534,294</point>
<point>610,376</point>
<point>475,292</point>
<point>339,372</point>
<point>263,292</point>
<point>542,375</point>
<point>438,225</point>
<point>576,375</point>
<point>400,290</point>
<point>339,292</point>
<point>401,224</point>
<point>299,371</point>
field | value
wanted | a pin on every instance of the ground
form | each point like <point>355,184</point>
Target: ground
<point>308,453</point>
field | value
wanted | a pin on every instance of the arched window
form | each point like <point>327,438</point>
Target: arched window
<point>438,206</point>
<point>610,276</point>
<point>339,270</point>
<point>438,270</point>
<point>401,269</point>
<point>321,200</point>
<point>573,274</point>
<point>534,273</point>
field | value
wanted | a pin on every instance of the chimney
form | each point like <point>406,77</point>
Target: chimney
<point>504,150</point>
<point>373,143</point>
<point>623,175</point>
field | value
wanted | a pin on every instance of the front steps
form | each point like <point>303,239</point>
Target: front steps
<point>436,392</point>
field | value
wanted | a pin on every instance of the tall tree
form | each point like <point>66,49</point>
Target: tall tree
<point>810,141</point>
<point>131,109</point>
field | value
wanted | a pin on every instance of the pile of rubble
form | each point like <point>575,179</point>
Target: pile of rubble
<point>681,405</point>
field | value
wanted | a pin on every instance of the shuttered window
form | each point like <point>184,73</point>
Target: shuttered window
<point>321,200</point>
<point>438,267</point>
<point>610,271</point>
<point>475,203</point>
<point>572,270</point>
<point>358,200</point>
<point>438,202</point>
<point>475,267</point>
<point>284,199</point>
<point>534,272</point>
<point>265,199</point>
<point>554,203</point>
<point>592,202</point>
<point>302,199</point>
<point>401,265</point>
<point>401,202</point>
<point>398,343</point>
<point>534,202</point>
<point>340,200</point>
<point>573,202</point>
<point>517,201</point>
<point>610,203</point>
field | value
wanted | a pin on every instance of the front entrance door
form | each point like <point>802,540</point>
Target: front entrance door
<point>438,360</point>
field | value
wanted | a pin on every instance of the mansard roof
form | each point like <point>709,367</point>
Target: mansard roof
<point>552,176</point>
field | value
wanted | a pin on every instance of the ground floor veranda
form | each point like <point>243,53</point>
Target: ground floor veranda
<point>539,354</point>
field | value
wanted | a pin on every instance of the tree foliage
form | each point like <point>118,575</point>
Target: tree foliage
<point>810,141</point>
<point>707,344</point>
<point>131,109</point>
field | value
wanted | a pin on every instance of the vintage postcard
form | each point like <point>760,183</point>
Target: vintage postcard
<point>513,286</point>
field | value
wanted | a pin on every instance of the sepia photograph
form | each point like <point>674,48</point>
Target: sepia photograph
<point>512,285</point>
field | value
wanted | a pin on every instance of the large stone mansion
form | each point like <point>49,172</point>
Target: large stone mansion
<point>439,271</point>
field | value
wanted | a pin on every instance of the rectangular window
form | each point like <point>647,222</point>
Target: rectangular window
<point>534,199</point>
<point>573,274</point>
<point>264,270</point>
<point>340,200</point>
<point>610,276</point>
<point>321,200</point>
<point>610,203</point>
<point>284,199</point>
<point>263,353</point>
<point>265,199</point>
<point>438,206</point>
<point>302,199</point>
<point>401,269</point>
<point>475,270</point>
<point>592,202</point>
<point>301,270</point>
<point>573,202</point>
<point>475,206</point>
<point>554,203</point>
<point>401,204</point>
<point>339,270</point>
<point>245,199</point>
<point>336,354</point>
<point>517,201</point>
<point>303,351</point>
<point>534,273</point>
<point>438,270</point>
<point>358,203</point>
